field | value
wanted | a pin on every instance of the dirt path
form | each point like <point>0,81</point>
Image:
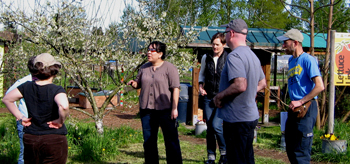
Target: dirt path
<point>126,116</point>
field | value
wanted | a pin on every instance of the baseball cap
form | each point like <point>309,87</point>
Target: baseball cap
<point>46,59</point>
<point>292,34</point>
<point>238,25</point>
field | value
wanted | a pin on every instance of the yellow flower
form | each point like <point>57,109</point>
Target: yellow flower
<point>78,138</point>
<point>333,137</point>
<point>113,139</point>
<point>327,135</point>
<point>130,135</point>
<point>321,137</point>
<point>69,147</point>
<point>103,149</point>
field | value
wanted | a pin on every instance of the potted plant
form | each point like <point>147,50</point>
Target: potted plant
<point>332,144</point>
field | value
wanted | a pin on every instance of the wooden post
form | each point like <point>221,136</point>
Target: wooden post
<point>195,90</point>
<point>265,116</point>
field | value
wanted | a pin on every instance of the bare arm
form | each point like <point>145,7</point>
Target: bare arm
<point>63,110</point>
<point>174,111</point>
<point>319,87</point>
<point>238,86</point>
<point>9,100</point>
<point>261,85</point>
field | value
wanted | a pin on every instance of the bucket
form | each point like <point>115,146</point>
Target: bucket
<point>182,110</point>
<point>200,127</point>
<point>336,146</point>
<point>284,116</point>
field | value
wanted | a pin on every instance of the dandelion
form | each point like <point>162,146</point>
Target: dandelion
<point>113,139</point>
<point>103,149</point>
<point>130,135</point>
<point>69,147</point>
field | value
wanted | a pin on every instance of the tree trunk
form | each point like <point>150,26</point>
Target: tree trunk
<point>99,125</point>
<point>326,65</point>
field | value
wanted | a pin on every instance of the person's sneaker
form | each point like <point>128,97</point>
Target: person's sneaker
<point>209,162</point>
<point>223,159</point>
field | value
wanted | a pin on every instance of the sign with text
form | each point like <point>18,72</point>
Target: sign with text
<point>342,59</point>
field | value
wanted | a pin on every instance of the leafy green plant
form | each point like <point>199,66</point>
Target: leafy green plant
<point>9,142</point>
<point>85,146</point>
<point>343,131</point>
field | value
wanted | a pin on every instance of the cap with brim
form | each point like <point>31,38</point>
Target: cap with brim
<point>46,59</point>
<point>239,26</point>
<point>292,34</point>
<point>282,38</point>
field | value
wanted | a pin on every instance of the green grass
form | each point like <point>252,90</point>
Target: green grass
<point>340,129</point>
<point>9,142</point>
<point>124,144</point>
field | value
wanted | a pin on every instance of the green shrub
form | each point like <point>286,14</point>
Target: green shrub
<point>85,145</point>
<point>340,129</point>
<point>9,141</point>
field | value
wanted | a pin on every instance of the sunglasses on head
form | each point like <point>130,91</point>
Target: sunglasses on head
<point>152,50</point>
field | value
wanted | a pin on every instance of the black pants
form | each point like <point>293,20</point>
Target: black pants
<point>151,120</point>
<point>50,148</point>
<point>239,138</point>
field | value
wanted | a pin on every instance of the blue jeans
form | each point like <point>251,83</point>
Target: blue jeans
<point>151,120</point>
<point>239,140</point>
<point>214,128</point>
<point>299,135</point>
<point>20,135</point>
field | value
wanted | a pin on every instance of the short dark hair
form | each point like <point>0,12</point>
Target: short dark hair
<point>219,35</point>
<point>43,73</point>
<point>30,64</point>
<point>160,47</point>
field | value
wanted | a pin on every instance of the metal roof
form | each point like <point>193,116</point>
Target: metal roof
<point>260,38</point>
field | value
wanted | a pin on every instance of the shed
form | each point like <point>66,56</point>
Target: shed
<point>263,43</point>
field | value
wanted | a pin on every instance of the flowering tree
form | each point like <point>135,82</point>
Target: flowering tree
<point>64,30</point>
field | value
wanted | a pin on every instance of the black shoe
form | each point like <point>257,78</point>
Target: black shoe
<point>223,159</point>
<point>209,162</point>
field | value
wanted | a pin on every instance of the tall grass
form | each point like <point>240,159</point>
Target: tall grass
<point>85,145</point>
<point>340,129</point>
<point>9,142</point>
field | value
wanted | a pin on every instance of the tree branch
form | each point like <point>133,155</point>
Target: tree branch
<point>82,111</point>
<point>326,6</point>
<point>283,3</point>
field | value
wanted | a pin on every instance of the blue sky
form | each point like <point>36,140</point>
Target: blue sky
<point>108,10</point>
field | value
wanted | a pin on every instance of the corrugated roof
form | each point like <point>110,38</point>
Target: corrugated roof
<point>257,37</point>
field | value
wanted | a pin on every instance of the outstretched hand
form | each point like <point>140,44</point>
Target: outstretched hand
<point>56,124</point>
<point>26,121</point>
